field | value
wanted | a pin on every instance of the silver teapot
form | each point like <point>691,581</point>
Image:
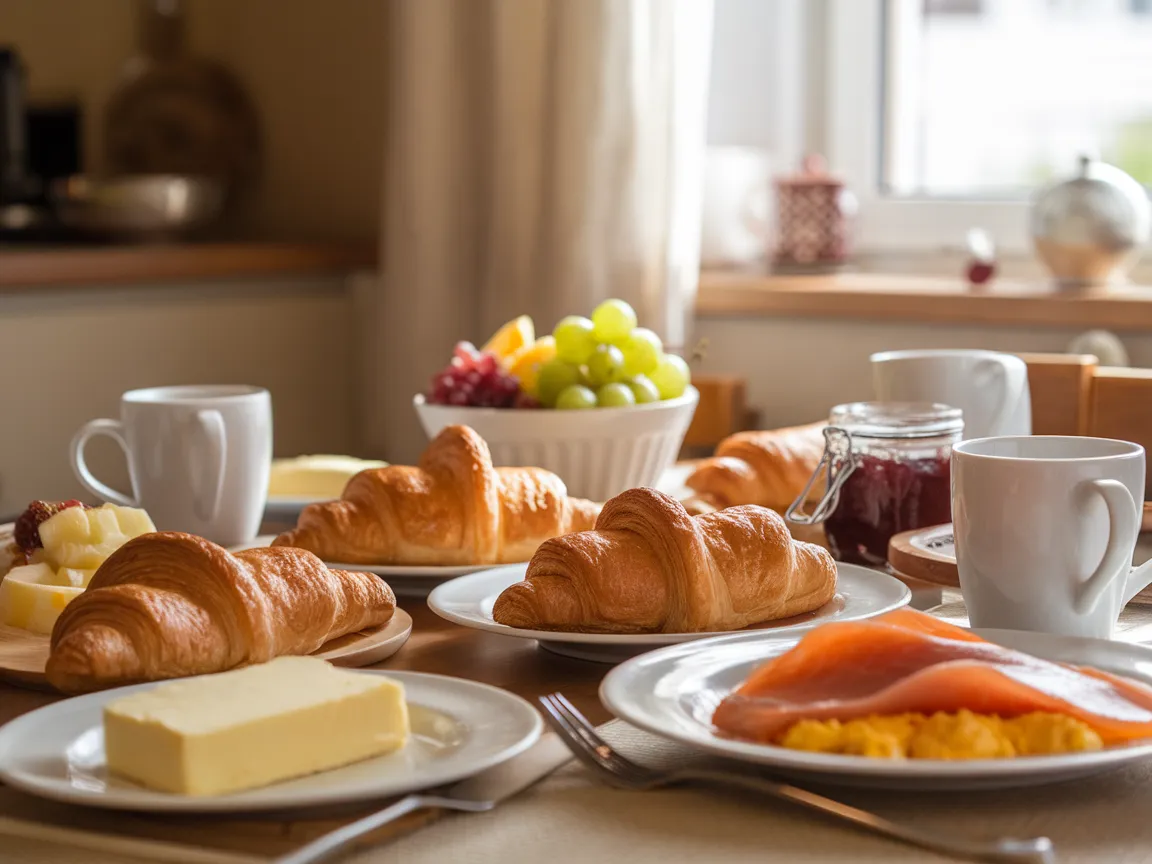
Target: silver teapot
<point>1090,230</point>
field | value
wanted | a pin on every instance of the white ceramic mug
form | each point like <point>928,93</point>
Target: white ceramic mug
<point>989,387</point>
<point>737,207</point>
<point>1045,529</point>
<point>198,457</point>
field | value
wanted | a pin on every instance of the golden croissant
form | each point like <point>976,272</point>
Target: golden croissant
<point>650,567</point>
<point>768,468</point>
<point>168,605</point>
<point>452,508</point>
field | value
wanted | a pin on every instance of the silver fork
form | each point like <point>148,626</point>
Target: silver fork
<point>597,754</point>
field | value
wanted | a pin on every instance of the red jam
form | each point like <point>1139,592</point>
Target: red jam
<point>883,497</point>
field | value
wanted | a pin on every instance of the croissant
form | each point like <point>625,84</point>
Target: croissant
<point>168,605</point>
<point>768,468</point>
<point>453,508</point>
<point>649,567</point>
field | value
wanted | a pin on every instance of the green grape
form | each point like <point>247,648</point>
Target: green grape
<point>574,339</point>
<point>613,320</point>
<point>575,398</point>
<point>604,365</point>
<point>615,396</point>
<point>643,389</point>
<point>642,350</point>
<point>671,376</point>
<point>555,376</point>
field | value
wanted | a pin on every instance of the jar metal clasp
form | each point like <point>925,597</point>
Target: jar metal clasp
<point>838,462</point>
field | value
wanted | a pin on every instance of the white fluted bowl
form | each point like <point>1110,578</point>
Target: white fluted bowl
<point>598,452</point>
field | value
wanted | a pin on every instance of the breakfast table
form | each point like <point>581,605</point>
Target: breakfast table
<point>572,816</point>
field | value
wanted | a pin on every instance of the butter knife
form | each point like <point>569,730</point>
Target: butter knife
<point>476,794</point>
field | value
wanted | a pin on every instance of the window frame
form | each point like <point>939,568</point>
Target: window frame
<point>856,38</point>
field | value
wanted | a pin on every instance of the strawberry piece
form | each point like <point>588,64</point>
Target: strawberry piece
<point>27,530</point>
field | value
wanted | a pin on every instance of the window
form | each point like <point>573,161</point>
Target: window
<point>946,114</point>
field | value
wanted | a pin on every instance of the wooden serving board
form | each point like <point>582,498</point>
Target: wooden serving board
<point>928,554</point>
<point>23,655</point>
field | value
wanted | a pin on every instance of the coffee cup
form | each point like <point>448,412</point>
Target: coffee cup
<point>198,458</point>
<point>1045,530</point>
<point>990,388</point>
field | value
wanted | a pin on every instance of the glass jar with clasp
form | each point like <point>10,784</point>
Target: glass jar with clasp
<point>886,469</point>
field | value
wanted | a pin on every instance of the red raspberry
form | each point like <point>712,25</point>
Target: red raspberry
<point>27,531</point>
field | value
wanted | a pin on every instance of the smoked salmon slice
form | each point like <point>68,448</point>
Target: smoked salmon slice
<point>909,662</point>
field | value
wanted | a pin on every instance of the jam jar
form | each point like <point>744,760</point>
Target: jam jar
<point>887,469</point>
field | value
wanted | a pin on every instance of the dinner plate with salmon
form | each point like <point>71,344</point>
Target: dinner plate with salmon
<point>902,700</point>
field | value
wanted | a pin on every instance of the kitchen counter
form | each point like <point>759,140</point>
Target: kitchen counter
<point>30,267</point>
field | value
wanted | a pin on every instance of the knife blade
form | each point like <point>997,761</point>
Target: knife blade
<point>482,791</point>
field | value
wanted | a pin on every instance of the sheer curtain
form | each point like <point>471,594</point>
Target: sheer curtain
<point>542,155</point>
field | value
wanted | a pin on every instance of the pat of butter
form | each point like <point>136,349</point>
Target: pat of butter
<point>253,726</point>
<point>315,476</point>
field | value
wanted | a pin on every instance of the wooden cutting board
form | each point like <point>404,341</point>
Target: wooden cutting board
<point>928,554</point>
<point>23,654</point>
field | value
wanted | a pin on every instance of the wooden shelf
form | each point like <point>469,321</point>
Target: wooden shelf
<point>28,268</point>
<point>927,299</point>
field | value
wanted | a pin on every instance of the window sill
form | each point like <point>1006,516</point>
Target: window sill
<point>889,297</point>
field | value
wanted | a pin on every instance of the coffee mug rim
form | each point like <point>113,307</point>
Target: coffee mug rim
<point>170,393</point>
<point>930,353</point>
<point>962,448</point>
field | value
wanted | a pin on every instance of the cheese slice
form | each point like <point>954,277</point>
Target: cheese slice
<point>315,476</point>
<point>31,597</point>
<point>253,726</point>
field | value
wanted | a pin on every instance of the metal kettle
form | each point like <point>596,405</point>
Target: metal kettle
<point>1089,230</point>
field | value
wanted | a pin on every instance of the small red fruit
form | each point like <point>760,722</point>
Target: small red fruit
<point>27,529</point>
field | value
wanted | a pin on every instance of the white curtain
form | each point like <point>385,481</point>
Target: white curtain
<point>542,155</point>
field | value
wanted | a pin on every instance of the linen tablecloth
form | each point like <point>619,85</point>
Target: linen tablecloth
<point>572,817</point>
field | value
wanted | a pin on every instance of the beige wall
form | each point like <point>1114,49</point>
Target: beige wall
<point>314,70</point>
<point>77,351</point>
<point>798,368</point>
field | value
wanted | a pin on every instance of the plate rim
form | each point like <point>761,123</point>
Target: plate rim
<point>435,601</point>
<point>412,571</point>
<point>613,694</point>
<point>142,800</point>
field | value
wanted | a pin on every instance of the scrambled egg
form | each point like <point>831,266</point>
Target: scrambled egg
<point>963,735</point>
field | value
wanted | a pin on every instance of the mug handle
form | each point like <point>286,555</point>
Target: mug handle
<point>1123,528</point>
<point>114,429</point>
<point>212,425</point>
<point>1011,391</point>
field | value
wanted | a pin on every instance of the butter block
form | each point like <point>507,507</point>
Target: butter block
<point>251,727</point>
<point>315,476</point>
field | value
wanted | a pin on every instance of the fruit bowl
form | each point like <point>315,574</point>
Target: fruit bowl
<point>598,453</point>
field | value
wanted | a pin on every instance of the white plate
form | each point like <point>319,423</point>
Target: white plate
<point>673,692</point>
<point>459,729</point>
<point>860,593</point>
<point>406,580</point>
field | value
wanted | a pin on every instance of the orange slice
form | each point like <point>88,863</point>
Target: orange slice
<point>525,364</point>
<point>512,337</point>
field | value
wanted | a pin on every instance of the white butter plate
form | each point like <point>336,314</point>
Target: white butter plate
<point>673,692</point>
<point>860,593</point>
<point>289,506</point>
<point>459,729</point>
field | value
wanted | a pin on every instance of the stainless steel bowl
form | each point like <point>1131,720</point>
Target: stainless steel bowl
<point>140,207</point>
